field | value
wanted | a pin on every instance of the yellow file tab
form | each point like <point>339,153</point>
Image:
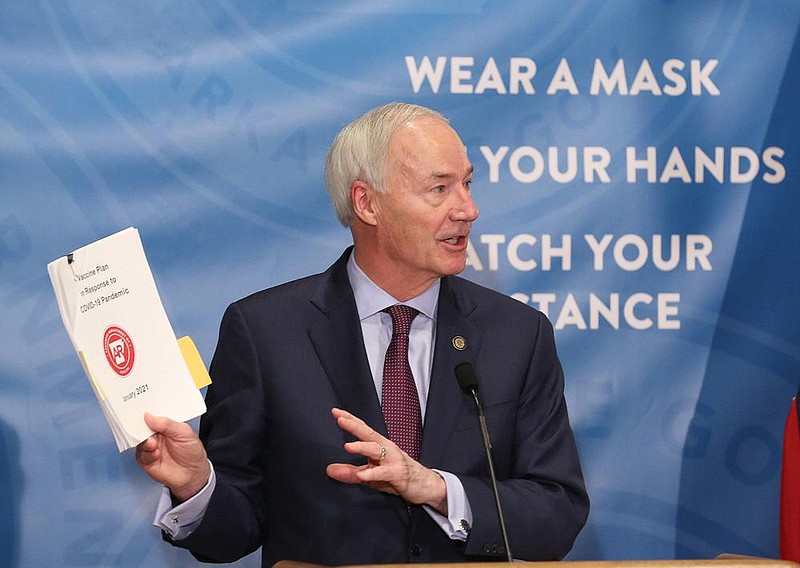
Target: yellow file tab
<point>195,363</point>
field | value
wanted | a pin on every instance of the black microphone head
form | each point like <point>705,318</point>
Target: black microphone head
<point>467,379</point>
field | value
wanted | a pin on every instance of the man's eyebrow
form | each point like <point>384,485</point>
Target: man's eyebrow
<point>443,175</point>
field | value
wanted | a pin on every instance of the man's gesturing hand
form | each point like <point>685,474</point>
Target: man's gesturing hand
<point>388,468</point>
<point>174,456</point>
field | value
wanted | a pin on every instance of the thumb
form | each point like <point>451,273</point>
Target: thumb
<point>166,426</point>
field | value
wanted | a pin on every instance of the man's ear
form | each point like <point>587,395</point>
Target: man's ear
<point>362,196</point>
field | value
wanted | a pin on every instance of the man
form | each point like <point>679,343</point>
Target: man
<point>295,454</point>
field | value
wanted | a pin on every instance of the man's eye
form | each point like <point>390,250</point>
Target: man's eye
<point>468,184</point>
<point>439,189</point>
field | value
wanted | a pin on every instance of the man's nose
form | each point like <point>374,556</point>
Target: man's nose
<point>465,209</point>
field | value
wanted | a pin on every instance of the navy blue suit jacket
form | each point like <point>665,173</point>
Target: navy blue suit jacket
<point>288,354</point>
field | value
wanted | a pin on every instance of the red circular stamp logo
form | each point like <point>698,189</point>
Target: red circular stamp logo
<point>119,350</point>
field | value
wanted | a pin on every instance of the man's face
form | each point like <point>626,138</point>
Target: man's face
<point>424,217</point>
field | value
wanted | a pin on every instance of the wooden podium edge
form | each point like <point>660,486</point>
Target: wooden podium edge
<point>722,561</point>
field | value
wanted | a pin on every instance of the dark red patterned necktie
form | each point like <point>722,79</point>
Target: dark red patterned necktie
<point>399,400</point>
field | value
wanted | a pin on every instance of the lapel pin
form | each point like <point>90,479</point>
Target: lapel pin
<point>459,343</point>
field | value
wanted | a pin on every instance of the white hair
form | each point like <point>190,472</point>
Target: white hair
<point>359,152</point>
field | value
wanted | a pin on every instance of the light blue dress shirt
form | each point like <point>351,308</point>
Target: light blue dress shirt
<point>376,327</point>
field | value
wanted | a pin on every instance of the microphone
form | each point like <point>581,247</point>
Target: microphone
<point>468,381</point>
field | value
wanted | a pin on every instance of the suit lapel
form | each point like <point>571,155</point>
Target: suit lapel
<point>337,339</point>
<point>443,406</point>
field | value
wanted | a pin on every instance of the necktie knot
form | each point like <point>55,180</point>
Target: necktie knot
<point>402,316</point>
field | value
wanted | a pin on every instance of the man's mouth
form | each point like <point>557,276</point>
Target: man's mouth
<point>455,240</point>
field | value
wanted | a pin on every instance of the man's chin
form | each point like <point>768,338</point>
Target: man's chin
<point>454,266</point>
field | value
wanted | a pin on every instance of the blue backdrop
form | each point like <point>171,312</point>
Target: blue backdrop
<point>636,171</point>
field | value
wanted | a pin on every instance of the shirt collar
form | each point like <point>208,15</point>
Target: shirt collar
<point>371,298</point>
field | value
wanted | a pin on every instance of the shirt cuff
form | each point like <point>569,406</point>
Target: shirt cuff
<point>179,521</point>
<point>458,521</point>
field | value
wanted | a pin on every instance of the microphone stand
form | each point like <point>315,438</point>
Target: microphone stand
<point>487,444</point>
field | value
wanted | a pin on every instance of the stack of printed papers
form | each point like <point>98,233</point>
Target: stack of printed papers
<point>114,317</point>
